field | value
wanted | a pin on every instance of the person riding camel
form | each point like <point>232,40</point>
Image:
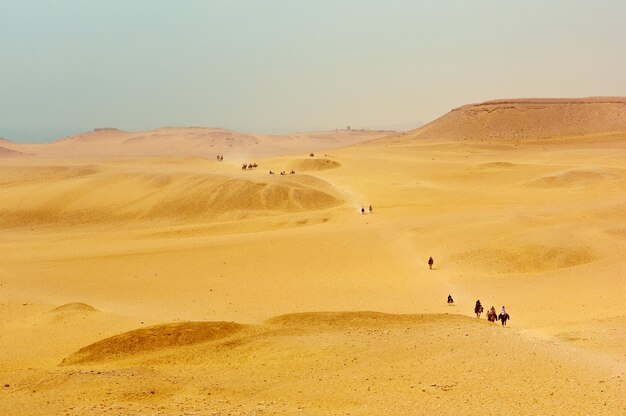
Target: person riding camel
<point>491,315</point>
<point>503,316</point>
<point>478,309</point>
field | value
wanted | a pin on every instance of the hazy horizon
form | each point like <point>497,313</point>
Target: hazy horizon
<point>276,66</point>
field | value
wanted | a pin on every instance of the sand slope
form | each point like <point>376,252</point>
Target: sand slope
<point>321,363</point>
<point>6,152</point>
<point>63,195</point>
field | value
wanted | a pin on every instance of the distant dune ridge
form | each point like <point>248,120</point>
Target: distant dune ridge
<point>6,151</point>
<point>196,142</point>
<point>519,119</point>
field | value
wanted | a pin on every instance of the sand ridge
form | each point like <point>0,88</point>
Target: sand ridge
<point>524,119</point>
<point>205,142</point>
<point>87,195</point>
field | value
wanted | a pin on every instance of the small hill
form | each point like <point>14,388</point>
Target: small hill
<point>519,119</point>
<point>75,307</point>
<point>82,196</point>
<point>152,339</point>
<point>313,164</point>
<point>5,152</point>
<point>573,177</point>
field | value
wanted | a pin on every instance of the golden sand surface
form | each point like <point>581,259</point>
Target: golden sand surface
<point>151,285</point>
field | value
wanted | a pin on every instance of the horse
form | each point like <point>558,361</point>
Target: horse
<point>504,317</point>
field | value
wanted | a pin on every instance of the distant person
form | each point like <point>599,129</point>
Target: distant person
<point>503,316</point>
<point>362,210</point>
<point>371,209</point>
<point>430,263</point>
<point>478,308</point>
<point>450,300</point>
<point>221,158</point>
<point>492,316</point>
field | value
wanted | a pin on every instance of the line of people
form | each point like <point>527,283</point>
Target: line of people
<point>478,308</point>
<point>491,314</point>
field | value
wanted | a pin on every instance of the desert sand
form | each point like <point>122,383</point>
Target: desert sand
<point>137,282</point>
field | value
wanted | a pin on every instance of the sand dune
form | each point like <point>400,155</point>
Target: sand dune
<point>86,195</point>
<point>5,152</point>
<point>74,308</point>
<point>320,363</point>
<point>107,143</point>
<point>314,164</point>
<point>576,177</point>
<point>523,119</point>
<point>158,337</point>
<point>223,291</point>
<point>510,257</point>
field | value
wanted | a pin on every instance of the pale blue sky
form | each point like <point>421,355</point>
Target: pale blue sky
<point>284,65</point>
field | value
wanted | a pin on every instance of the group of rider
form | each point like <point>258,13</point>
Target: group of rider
<point>491,314</point>
<point>478,308</point>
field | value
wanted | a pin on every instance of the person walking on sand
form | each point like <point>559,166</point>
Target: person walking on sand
<point>450,300</point>
<point>430,263</point>
<point>478,309</point>
<point>362,210</point>
<point>371,209</point>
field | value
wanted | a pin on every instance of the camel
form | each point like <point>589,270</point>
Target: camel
<point>244,167</point>
<point>491,315</point>
<point>504,317</point>
<point>478,309</point>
